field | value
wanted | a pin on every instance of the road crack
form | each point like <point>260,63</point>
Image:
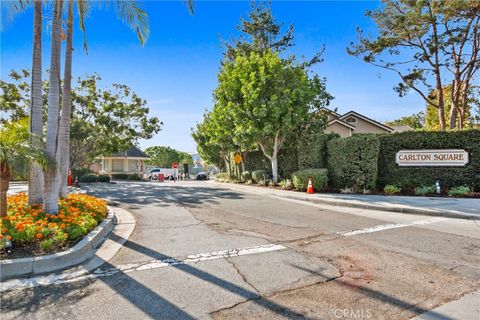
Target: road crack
<point>244,278</point>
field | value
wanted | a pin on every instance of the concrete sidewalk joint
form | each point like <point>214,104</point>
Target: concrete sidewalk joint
<point>82,251</point>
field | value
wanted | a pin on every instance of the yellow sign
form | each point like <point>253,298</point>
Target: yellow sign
<point>238,159</point>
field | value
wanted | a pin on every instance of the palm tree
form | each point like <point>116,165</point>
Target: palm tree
<point>15,147</point>
<point>50,198</point>
<point>35,181</point>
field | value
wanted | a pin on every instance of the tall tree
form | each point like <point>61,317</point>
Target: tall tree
<point>414,121</point>
<point>35,181</point>
<point>428,44</point>
<point>52,179</point>
<point>277,96</point>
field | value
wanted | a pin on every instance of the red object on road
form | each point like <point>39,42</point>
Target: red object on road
<point>174,165</point>
<point>70,179</point>
<point>160,177</point>
<point>310,185</point>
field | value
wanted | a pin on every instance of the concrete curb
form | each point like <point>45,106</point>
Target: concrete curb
<point>82,251</point>
<point>124,224</point>
<point>354,203</point>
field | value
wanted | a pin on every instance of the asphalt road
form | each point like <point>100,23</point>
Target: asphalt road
<point>200,250</point>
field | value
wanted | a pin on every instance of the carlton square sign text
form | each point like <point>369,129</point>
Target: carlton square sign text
<point>432,158</point>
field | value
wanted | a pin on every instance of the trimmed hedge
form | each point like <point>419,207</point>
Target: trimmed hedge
<point>90,177</point>
<point>222,177</point>
<point>319,179</point>
<point>134,177</point>
<point>120,176</point>
<point>103,178</point>
<point>312,150</point>
<point>352,161</point>
<point>412,177</point>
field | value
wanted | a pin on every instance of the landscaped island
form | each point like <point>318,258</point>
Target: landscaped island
<point>29,231</point>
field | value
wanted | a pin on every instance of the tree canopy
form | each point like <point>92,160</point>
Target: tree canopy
<point>429,44</point>
<point>164,157</point>
<point>103,120</point>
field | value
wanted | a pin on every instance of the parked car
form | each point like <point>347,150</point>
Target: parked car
<point>152,174</point>
<point>202,176</point>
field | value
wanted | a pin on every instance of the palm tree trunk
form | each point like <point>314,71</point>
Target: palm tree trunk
<point>4,184</point>
<point>35,181</point>
<point>64,130</point>
<point>50,198</point>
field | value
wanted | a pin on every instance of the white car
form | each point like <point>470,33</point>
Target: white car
<point>152,174</point>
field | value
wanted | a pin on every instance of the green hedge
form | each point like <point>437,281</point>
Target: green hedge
<point>90,177</point>
<point>134,177</point>
<point>312,150</point>
<point>412,177</point>
<point>352,161</point>
<point>319,179</point>
<point>103,178</point>
<point>120,176</point>
<point>287,162</point>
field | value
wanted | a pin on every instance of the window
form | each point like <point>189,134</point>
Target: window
<point>351,120</point>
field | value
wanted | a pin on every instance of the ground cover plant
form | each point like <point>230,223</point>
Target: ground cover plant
<point>32,231</point>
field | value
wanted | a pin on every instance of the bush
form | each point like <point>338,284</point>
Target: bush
<point>391,189</point>
<point>258,175</point>
<point>424,190</point>
<point>352,161</point>
<point>103,178</point>
<point>120,176</point>
<point>409,177</point>
<point>91,177</point>
<point>319,179</point>
<point>287,161</point>
<point>134,177</point>
<point>222,177</point>
<point>312,150</point>
<point>246,175</point>
<point>79,172</point>
<point>286,184</point>
<point>459,191</point>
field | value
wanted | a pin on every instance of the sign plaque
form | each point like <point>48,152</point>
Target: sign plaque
<point>432,158</point>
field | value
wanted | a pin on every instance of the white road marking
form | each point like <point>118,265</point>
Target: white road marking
<point>391,226</point>
<point>16,284</point>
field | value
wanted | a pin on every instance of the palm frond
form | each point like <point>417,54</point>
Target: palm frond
<point>190,6</point>
<point>132,13</point>
<point>12,8</point>
<point>83,9</point>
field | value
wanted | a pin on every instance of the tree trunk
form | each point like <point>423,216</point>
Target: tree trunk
<point>274,168</point>
<point>64,130</point>
<point>4,184</point>
<point>50,198</point>
<point>35,181</point>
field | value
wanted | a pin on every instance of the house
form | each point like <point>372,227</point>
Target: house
<point>131,161</point>
<point>353,122</point>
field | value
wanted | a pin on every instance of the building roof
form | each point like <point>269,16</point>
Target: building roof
<point>378,124</point>
<point>330,111</point>
<point>343,123</point>
<point>132,152</point>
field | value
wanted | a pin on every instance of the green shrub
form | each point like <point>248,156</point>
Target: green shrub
<point>262,182</point>
<point>256,160</point>
<point>120,176</point>
<point>90,177</point>
<point>424,190</point>
<point>409,177</point>
<point>286,184</point>
<point>258,175</point>
<point>459,191</point>
<point>312,150</point>
<point>78,172</point>
<point>246,175</point>
<point>352,161</point>
<point>222,177</point>
<point>134,177</point>
<point>287,161</point>
<point>103,178</point>
<point>319,179</point>
<point>271,184</point>
<point>391,189</point>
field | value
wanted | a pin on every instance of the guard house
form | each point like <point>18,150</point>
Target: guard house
<point>131,161</point>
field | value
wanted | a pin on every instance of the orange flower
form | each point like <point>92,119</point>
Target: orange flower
<point>39,235</point>
<point>1,236</point>
<point>8,237</point>
<point>62,225</point>
<point>39,228</point>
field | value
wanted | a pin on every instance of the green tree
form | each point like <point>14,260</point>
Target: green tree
<point>414,121</point>
<point>164,157</point>
<point>210,152</point>
<point>428,44</point>
<point>103,120</point>
<point>15,147</point>
<point>272,97</point>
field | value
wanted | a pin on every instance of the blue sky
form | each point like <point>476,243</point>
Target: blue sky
<point>176,70</point>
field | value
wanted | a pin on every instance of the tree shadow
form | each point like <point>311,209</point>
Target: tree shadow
<point>162,195</point>
<point>377,295</point>
<point>212,279</point>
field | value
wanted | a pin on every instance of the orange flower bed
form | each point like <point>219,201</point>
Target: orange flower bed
<point>29,226</point>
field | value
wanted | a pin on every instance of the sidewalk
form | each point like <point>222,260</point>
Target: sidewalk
<point>466,308</point>
<point>450,207</point>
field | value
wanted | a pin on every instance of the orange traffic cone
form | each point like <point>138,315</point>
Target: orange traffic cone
<point>310,185</point>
